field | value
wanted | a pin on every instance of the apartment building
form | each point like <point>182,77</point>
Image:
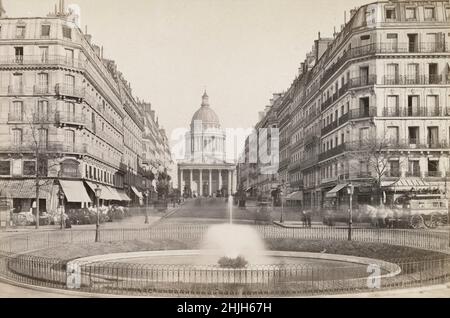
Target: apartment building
<point>66,114</point>
<point>382,81</point>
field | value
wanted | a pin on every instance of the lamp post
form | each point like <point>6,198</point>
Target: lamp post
<point>350,190</point>
<point>147,193</point>
<point>98,192</point>
<point>61,204</point>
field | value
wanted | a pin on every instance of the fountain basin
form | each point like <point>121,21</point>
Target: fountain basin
<point>200,267</point>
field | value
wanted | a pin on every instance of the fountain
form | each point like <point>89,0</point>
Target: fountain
<point>232,257</point>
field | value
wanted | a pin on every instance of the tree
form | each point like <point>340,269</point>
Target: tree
<point>371,157</point>
<point>38,144</point>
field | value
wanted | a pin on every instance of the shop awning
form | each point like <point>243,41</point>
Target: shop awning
<point>406,184</point>
<point>137,193</point>
<point>105,194</point>
<point>74,191</point>
<point>333,192</point>
<point>115,194</point>
<point>26,189</point>
<point>123,195</point>
<point>295,196</point>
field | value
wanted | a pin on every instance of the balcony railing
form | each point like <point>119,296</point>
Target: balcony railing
<point>384,48</point>
<point>333,152</point>
<point>330,127</point>
<point>11,60</point>
<point>416,80</point>
<point>417,112</point>
<point>309,161</point>
<point>433,174</point>
<point>51,147</point>
<point>363,81</point>
<point>415,174</point>
<point>70,118</point>
<point>41,90</point>
<point>76,92</point>
<point>362,113</point>
<point>15,90</point>
<point>15,118</point>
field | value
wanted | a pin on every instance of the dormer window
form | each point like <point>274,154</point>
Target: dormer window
<point>390,14</point>
<point>45,31</point>
<point>67,32</point>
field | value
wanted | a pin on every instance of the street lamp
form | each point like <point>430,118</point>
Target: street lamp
<point>61,204</point>
<point>350,191</point>
<point>98,193</point>
<point>147,193</point>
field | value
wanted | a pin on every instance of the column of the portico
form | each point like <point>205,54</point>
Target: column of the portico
<point>220,180</point>
<point>210,182</point>
<point>190,180</point>
<point>201,183</point>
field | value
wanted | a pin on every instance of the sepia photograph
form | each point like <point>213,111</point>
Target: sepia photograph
<point>224,149</point>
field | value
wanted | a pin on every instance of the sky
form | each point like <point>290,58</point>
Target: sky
<point>241,51</point>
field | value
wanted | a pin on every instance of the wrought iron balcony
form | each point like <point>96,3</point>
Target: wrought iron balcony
<point>16,90</point>
<point>330,127</point>
<point>362,113</point>
<point>416,112</point>
<point>333,152</point>
<point>41,90</point>
<point>44,60</point>
<point>363,81</point>
<point>433,174</point>
<point>16,118</point>
<point>67,118</point>
<point>68,91</point>
<point>415,80</point>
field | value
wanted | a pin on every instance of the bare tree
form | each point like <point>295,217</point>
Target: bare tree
<point>38,143</point>
<point>371,157</point>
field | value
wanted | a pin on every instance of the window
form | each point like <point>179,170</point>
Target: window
<point>392,77</point>
<point>44,54</point>
<point>447,12</point>
<point>413,106</point>
<point>18,55</point>
<point>67,32</point>
<point>433,168</point>
<point>69,57</point>
<point>413,135</point>
<point>390,14</point>
<point>17,137</point>
<point>432,105</point>
<point>413,74</point>
<point>5,168</point>
<point>42,110</point>
<point>394,169</point>
<point>430,14</point>
<point>18,82</point>
<point>45,31</point>
<point>20,31</point>
<point>43,139</point>
<point>392,104</point>
<point>411,14</point>
<point>433,137</point>
<point>43,83</point>
<point>69,83</point>
<point>29,168</point>
<point>414,168</point>
<point>363,135</point>
<point>393,135</point>
<point>392,42</point>
<point>365,37</point>
<point>69,140</point>
<point>17,111</point>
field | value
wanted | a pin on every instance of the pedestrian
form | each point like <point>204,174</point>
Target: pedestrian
<point>304,220</point>
<point>308,219</point>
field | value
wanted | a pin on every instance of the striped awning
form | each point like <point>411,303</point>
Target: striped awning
<point>74,191</point>
<point>26,189</point>
<point>295,196</point>
<point>137,193</point>
<point>115,194</point>
<point>333,192</point>
<point>123,195</point>
<point>105,194</point>
<point>405,184</point>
